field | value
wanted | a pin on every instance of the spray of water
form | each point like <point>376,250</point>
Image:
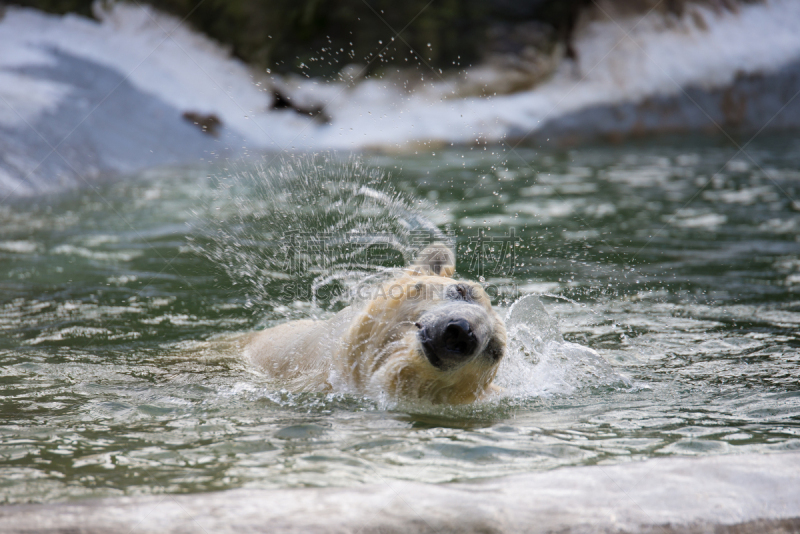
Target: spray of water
<point>540,362</point>
<point>311,228</point>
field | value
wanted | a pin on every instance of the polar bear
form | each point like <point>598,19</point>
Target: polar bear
<point>422,335</point>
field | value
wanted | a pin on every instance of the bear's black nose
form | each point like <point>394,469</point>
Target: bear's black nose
<point>448,343</point>
<point>458,337</point>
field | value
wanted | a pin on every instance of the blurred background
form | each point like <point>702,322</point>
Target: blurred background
<point>92,89</point>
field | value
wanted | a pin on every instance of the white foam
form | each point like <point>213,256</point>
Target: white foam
<point>19,247</point>
<point>539,362</point>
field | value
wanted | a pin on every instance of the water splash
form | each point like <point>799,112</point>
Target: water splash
<point>310,229</point>
<point>539,362</point>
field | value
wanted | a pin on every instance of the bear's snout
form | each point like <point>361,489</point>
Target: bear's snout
<point>448,342</point>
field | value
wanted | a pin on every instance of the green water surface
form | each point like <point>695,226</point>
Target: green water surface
<point>678,262</point>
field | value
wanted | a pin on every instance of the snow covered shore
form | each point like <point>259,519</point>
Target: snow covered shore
<point>81,99</point>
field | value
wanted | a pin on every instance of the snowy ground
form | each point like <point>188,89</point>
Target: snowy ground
<point>80,99</point>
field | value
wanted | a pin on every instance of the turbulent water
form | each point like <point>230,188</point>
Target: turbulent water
<point>650,293</point>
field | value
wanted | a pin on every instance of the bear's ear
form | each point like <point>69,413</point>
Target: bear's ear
<point>436,259</point>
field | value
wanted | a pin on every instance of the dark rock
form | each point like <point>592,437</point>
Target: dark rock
<point>282,101</point>
<point>208,124</point>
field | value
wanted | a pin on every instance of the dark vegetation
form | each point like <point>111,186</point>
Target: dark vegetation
<point>319,37</point>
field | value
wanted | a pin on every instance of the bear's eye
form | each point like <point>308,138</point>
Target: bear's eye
<point>459,292</point>
<point>417,291</point>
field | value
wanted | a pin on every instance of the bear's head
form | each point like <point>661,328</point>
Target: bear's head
<point>425,335</point>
